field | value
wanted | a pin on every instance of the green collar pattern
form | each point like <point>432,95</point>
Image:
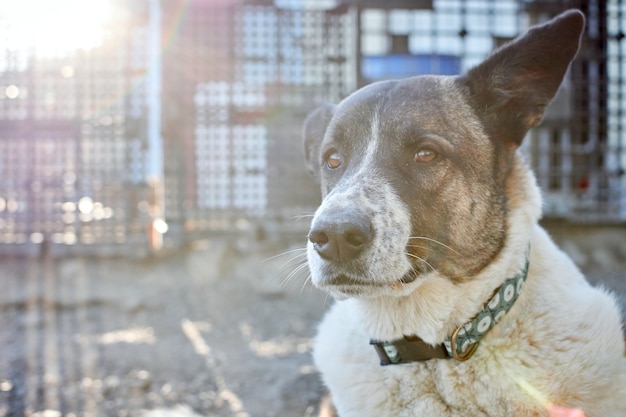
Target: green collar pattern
<point>463,342</point>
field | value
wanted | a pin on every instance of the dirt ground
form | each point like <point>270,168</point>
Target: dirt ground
<point>222,329</point>
<point>213,331</point>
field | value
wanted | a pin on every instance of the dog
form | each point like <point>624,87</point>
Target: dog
<point>451,300</point>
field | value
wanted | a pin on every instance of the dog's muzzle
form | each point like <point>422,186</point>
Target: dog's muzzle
<point>357,244</point>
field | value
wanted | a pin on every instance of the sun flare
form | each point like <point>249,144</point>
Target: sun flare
<point>54,28</point>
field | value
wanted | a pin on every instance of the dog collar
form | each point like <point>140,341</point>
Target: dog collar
<point>463,342</point>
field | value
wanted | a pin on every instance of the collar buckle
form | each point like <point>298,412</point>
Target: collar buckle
<point>454,349</point>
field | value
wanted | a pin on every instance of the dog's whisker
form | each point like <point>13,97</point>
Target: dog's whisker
<point>421,260</point>
<point>288,252</point>
<point>435,241</point>
<point>296,259</point>
<point>294,273</point>
<point>327,298</point>
<point>291,266</point>
<point>417,246</point>
<point>307,280</point>
<point>302,216</point>
<point>415,273</point>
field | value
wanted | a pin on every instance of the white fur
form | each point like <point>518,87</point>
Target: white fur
<point>560,344</point>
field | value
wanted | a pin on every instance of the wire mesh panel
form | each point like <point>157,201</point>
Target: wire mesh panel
<point>72,127</point>
<point>314,61</point>
<point>28,204</point>
<point>578,151</point>
<point>197,69</point>
<point>615,164</point>
<point>431,37</point>
<point>250,72</point>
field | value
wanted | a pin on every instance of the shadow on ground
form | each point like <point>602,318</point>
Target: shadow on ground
<point>220,330</point>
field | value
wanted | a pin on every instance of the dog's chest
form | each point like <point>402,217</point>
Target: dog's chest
<point>362,387</point>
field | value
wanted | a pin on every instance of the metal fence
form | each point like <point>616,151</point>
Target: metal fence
<point>165,120</point>
<point>72,128</point>
<point>579,152</point>
<point>248,74</point>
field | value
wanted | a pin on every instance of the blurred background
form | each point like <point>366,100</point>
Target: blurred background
<point>138,124</point>
<point>151,170</point>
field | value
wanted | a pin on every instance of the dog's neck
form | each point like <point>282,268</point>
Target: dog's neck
<point>450,304</point>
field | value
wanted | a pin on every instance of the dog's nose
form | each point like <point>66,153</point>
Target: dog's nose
<point>341,236</point>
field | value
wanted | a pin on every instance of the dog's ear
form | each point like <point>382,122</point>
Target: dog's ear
<point>512,87</point>
<point>312,135</point>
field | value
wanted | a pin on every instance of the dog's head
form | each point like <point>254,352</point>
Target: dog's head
<point>413,171</point>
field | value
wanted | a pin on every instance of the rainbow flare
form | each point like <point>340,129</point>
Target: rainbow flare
<point>553,410</point>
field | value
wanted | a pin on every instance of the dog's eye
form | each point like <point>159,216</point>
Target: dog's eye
<point>425,155</point>
<point>333,160</point>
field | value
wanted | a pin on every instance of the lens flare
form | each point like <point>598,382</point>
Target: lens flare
<point>54,28</point>
<point>553,410</point>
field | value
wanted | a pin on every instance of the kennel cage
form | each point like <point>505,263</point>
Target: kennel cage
<point>190,112</point>
<point>72,127</point>
<point>250,73</point>
<point>578,151</point>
